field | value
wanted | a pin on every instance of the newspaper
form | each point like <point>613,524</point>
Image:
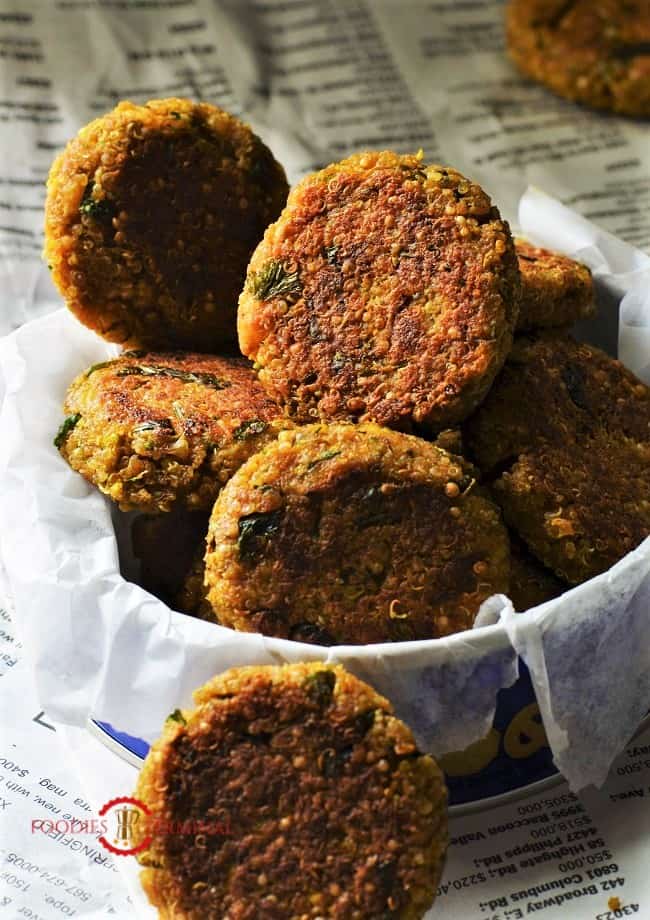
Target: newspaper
<point>317,80</point>
<point>554,855</point>
<point>45,870</point>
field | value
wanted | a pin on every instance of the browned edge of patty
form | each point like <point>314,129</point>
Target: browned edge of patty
<point>152,213</point>
<point>349,821</point>
<point>387,291</point>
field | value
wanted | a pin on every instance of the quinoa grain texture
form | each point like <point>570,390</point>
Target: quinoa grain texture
<point>326,807</point>
<point>353,534</point>
<point>595,53</point>
<point>387,291</point>
<point>151,216</point>
<point>154,430</point>
<point>564,438</point>
<point>555,290</point>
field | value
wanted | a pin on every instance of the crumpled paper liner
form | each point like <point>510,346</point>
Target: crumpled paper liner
<point>104,648</point>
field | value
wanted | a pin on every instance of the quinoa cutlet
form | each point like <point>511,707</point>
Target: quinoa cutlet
<point>349,820</point>
<point>531,583</point>
<point>594,53</point>
<point>555,290</point>
<point>151,216</point>
<point>153,429</point>
<point>386,291</point>
<point>564,435</point>
<point>166,547</point>
<point>192,596</point>
<point>353,534</point>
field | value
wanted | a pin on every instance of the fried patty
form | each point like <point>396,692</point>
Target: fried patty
<point>386,291</point>
<point>353,534</point>
<point>166,547</point>
<point>564,435</point>
<point>531,583</point>
<point>154,429</point>
<point>555,290</point>
<point>151,216</point>
<point>192,596</point>
<point>315,800</point>
<point>594,53</point>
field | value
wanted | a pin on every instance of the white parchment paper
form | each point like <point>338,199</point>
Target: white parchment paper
<point>105,648</point>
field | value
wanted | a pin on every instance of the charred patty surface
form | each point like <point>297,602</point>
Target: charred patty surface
<point>325,805</point>
<point>153,429</point>
<point>386,291</point>
<point>564,436</point>
<point>531,583</point>
<point>152,214</point>
<point>353,534</point>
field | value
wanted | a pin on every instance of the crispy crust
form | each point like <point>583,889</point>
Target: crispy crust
<point>151,216</point>
<point>555,290</point>
<point>157,429</point>
<point>350,821</point>
<point>530,583</point>
<point>386,291</point>
<point>565,437</point>
<point>353,534</point>
<point>594,53</point>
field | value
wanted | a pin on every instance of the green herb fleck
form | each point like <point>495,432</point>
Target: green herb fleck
<point>373,510</point>
<point>331,252</point>
<point>414,172</point>
<point>273,281</point>
<point>100,209</point>
<point>328,455</point>
<point>573,377</point>
<point>254,532</point>
<point>338,362</point>
<point>175,115</point>
<point>155,370</point>
<point>146,426</point>
<point>320,686</point>
<point>249,429</point>
<point>176,716</point>
<point>467,485</point>
<point>99,366</point>
<point>65,429</point>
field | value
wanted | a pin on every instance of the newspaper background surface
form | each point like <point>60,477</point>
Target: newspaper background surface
<point>553,855</point>
<point>317,80</point>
